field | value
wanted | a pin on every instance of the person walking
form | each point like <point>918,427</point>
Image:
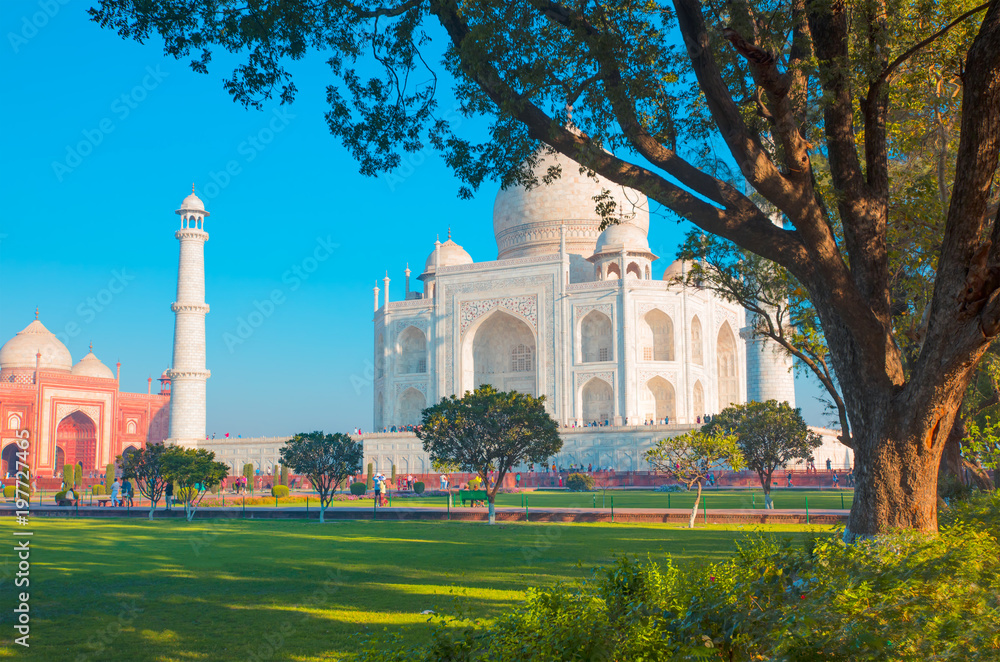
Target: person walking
<point>127,493</point>
<point>169,494</point>
<point>789,474</point>
<point>116,490</point>
<point>836,480</point>
<point>378,490</point>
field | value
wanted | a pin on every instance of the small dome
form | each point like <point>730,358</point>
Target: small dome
<point>676,268</point>
<point>622,235</point>
<point>192,203</point>
<point>451,254</point>
<point>91,366</point>
<point>19,352</point>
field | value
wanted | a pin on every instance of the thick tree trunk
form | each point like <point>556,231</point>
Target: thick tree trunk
<point>322,513</point>
<point>895,482</point>
<point>493,516</point>
<point>765,484</point>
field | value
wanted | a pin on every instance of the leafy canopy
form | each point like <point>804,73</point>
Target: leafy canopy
<point>328,459</point>
<point>691,456</point>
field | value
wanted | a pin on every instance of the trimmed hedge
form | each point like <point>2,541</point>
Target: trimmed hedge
<point>97,490</point>
<point>370,483</point>
<point>279,491</point>
<point>418,487</point>
<point>10,491</point>
<point>68,471</point>
<point>580,482</point>
<point>358,489</point>
<point>77,476</point>
<point>185,494</point>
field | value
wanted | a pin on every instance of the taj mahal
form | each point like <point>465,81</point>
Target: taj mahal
<point>572,313</point>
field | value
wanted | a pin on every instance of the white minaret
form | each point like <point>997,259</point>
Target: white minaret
<point>188,373</point>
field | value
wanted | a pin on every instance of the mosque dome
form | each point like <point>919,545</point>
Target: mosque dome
<point>622,236</point>
<point>527,222</point>
<point>19,352</point>
<point>677,268</point>
<point>448,254</point>
<point>91,366</point>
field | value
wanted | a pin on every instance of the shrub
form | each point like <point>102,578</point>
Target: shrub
<point>670,488</point>
<point>248,472</point>
<point>77,476</point>
<point>418,487</point>
<point>68,472</point>
<point>58,497</point>
<point>97,490</point>
<point>185,494</point>
<point>370,483</point>
<point>109,473</point>
<point>357,489</point>
<point>580,482</point>
<point>10,491</point>
<point>284,475</point>
<point>279,491</point>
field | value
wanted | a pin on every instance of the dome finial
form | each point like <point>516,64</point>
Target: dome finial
<point>449,233</point>
<point>192,187</point>
<point>91,345</point>
<point>36,312</point>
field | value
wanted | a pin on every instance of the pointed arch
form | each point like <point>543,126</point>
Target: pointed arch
<point>77,434</point>
<point>596,337</point>
<point>597,397</point>
<point>411,406</point>
<point>658,336</point>
<point>500,350</point>
<point>412,352</point>
<point>614,271</point>
<point>661,400</point>
<point>633,271</point>
<point>697,342</point>
<point>698,400</point>
<point>727,367</point>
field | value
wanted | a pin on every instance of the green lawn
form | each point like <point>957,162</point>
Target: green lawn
<point>229,590</point>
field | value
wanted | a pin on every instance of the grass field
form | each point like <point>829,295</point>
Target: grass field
<point>235,590</point>
<point>721,499</point>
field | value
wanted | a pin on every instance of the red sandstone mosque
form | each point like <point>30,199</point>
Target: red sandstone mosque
<point>75,414</point>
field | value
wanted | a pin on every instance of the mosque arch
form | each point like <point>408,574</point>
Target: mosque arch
<point>658,336</point>
<point>597,398</point>
<point>614,271</point>
<point>410,407</point>
<point>60,461</point>
<point>697,343</point>
<point>130,427</point>
<point>13,422</point>
<point>129,450</point>
<point>596,337</point>
<point>649,273</point>
<point>500,350</point>
<point>727,367</point>
<point>633,271</point>
<point>412,352</point>
<point>698,400</point>
<point>661,400</point>
<point>77,434</point>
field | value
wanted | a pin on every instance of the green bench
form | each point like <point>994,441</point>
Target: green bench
<point>473,496</point>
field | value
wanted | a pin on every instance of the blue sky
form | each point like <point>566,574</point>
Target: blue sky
<point>104,139</point>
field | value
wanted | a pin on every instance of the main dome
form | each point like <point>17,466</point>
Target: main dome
<point>19,352</point>
<point>527,222</point>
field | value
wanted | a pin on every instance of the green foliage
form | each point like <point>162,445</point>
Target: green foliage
<point>185,494</point>
<point>981,509</point>
<point>897,597</point>
<point>580,482</point>
<point>59,496</point>
<point>488,430</point>
<point>248,472</point>
<point>690,457</point>
<point>392,475</point>
<point>145,468</point>
<point>109,472</point>
<point>328,460</point>
<point>419,487</point>
<point>10,491</point>
<point>358,489</point>
<point>769,435</point>
<point>279,491</point>
<point>68,473</point>
<point>370,482</point>
<point>284,474</point>
<point>97,490</point>
<point>193,472</point>
<point>77,475</point>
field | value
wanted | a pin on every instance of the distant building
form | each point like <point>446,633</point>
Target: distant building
<point>74,414</point>
<point>570,312</point>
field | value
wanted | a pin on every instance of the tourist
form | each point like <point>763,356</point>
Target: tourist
<point>169,493</point>
<point>517,479</point>
<point>836,480</point>
<point>789,475</point>
<point>828,464</point>
<point>444,483</point>
<point>127,493</point>
<point>116,489</point>
<point>409,482</point>
<point>378,489</point>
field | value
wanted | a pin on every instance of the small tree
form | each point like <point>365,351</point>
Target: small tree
<point>489,430</point>
<point>370,483</point>
<point>248,474</point>
<point>194,472</point>
<point>146,467</point>
<point>690,457</point>
<point>328,460</point>
<point>392,476</point>
<point>68,472</point>
<point>284,474</point>
<point>769,434</point>
<point>110,471</point>
<point>77,475</point>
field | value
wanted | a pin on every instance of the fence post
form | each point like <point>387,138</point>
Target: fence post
<point>668,500</point>
<point>449,505</point>
<point>526,508</point>
<point>807,510</point>
<point>244,507</point>
<point>612,508</point>
<point>842,501</point>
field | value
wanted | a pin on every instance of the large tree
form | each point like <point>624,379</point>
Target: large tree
<point>780,86</point>
<point>328,459</point>
<point>692,456</point>
<point>194,471</point>
<point>145,467</point>
<point>769,434</point>
<point>488,430</point>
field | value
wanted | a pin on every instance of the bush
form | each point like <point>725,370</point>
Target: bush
<point>58,497</point>
<point>10,491</point>
<point>418,487</point>
<point>370,482</point>
<point>898,597</point>
<point>670,488</point>
<point>97,490</point>
<point>185,494</point>
<point>358,489</point>
<point>77,476</point>
<point>109,473</point>
<point>580,482</point>
<point>279,491</point>
<point>68,472</point>
<point>284,475</point>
